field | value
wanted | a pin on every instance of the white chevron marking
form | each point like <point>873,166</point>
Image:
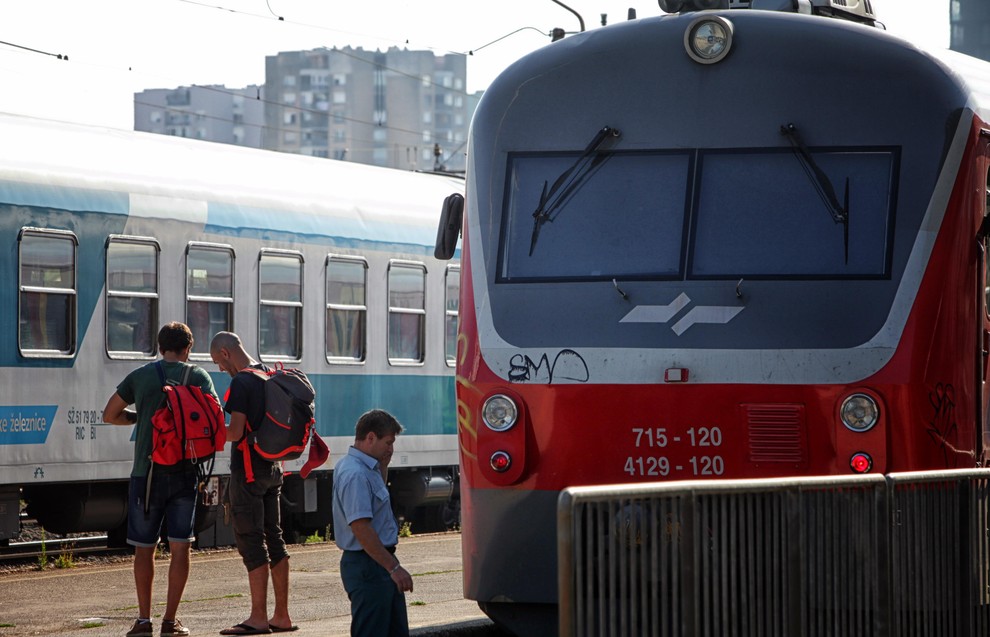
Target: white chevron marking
<point>705,314</point>
<point>656,313</point>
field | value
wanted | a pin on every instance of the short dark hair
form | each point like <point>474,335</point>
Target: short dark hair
<point>378,421</point>
<point>174,337</point>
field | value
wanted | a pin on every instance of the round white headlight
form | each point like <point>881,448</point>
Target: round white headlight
<point>499,413</point>
<point>859,413</point>
<point>708,39</point>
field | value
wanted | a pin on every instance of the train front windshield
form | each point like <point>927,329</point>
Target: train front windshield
<point>734,214</point>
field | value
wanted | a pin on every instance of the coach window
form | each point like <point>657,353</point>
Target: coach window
<point>453,291</point>
<point>280,312</point>
<point>47,293</point>
<point>132,296</point>
<point>406,312</point>
<point>209,292</point>
<point>347,310</point>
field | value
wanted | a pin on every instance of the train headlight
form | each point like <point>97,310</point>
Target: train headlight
<point>859,413</point>
<point>499,413</point>
<point>708,39</point>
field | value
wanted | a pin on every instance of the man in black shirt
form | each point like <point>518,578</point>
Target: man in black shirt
<point>255,487</point>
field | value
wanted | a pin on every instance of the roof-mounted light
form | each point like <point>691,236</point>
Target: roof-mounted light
<point>708,39</point>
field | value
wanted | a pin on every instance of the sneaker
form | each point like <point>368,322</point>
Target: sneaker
<point>173,627</point>
<point>141,629</point>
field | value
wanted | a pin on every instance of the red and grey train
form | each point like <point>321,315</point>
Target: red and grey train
<point>715,244</point>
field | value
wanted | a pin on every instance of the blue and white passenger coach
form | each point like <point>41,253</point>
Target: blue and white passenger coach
<point>328,266</point>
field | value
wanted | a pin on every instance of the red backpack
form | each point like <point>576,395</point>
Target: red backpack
<point>188,426</point>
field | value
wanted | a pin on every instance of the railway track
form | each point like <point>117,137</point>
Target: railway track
<point>60,552</point>
<point>33,544</point>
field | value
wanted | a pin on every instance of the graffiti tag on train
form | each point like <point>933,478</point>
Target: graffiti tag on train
<point>26,424</point>
<point>942,426</point>
<point>567,365</point>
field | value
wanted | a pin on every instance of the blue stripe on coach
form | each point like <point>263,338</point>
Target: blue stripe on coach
<point>425,405</point>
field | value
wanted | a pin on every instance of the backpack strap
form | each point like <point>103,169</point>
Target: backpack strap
<point>243,445</point>
<point>186,373</point>
<point>161,378</point>
<point>160,368</point>
<point>248,467</point>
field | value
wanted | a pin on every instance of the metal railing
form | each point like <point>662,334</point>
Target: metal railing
<point>904,554</point>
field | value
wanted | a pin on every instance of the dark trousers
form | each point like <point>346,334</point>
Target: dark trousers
<point>378,607</point>
<point>257,517</point>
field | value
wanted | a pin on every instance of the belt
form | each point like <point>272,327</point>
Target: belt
<point>390,549</point>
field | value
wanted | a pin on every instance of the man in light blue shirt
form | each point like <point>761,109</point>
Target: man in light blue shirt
<point>367,532</point>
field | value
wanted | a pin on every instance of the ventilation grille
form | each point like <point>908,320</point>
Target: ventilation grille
<point>776,433</point>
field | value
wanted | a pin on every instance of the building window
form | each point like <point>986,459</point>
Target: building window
<point>280,298</point>
<point>132,296</point>
<point>209,293</point>
<point>452,308</point>
<point>347,310</point>
<point>339,97</point>
<point>406,312</point>
<point>47,292</point>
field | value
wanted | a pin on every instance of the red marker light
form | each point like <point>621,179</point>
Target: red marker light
<point>501,461</point>
<point>861,462</point>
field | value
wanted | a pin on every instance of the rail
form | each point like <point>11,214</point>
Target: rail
<point>903,554</point>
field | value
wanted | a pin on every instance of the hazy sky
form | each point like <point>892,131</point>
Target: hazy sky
<point>118,47</point>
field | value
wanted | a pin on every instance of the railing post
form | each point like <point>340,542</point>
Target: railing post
<point>966,583</point>
<point>884,497</point>
<point>565,564</point>
<point>797,557</point>
<point>689,565</point>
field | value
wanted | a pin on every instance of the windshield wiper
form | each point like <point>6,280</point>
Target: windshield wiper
<point>821,182</point>
<point>569,181</point>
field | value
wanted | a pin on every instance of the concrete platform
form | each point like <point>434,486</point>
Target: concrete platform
<point>99,601</point>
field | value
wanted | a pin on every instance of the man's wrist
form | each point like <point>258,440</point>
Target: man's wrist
<point>395,568</point>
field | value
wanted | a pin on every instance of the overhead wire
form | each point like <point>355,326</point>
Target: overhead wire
<point>60,56</point>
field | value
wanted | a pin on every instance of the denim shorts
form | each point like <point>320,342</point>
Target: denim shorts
<point>173,498</point>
